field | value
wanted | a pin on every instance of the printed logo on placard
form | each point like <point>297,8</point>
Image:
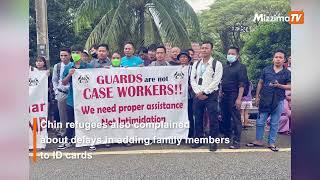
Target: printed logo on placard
<point>33,82</point>
<point>178,75</point>
<point>83,79</point>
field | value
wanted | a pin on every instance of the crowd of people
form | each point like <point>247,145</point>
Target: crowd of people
<point>214,88</point>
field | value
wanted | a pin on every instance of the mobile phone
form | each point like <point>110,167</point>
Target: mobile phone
<point>200,81</point>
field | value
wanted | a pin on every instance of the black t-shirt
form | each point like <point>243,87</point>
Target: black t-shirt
<point>234,75</point>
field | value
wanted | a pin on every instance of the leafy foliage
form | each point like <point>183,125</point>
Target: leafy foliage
<point>261,44</point>
<point>60,28</point>
<point>141,21</point>
<point>230,23</point>
<point>230,19</point>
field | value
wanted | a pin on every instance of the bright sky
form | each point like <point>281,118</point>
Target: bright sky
<point>199,5</point>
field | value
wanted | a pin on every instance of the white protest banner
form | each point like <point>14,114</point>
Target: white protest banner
<point>38,106</point>
<point>142,102</point>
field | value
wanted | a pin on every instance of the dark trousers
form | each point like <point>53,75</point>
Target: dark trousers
<point>191,119</point>
<point>211,104</point>
<point>231,116</point>
<point>70,131</point>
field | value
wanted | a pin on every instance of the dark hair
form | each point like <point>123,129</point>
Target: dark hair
<point>280,51</point>
<point>143,50</point>
<point>287,58</point>
<point>152,47</point>
<point>129,42</point>
<point>162,47</point>
<point>76,48</point>
<point>235,48</point>
<point>118,52</point>
<point>103,45</point>
<point>43,60</point>
<point>66,50</point>
<point>190,50</point>
<point>84,52</point>
<point>185,52</point>
<point>95,46</point>
<point>208,42</point>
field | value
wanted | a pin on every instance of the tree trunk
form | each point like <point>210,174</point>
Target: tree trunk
<point>42,29</point>
<point>141,28</point>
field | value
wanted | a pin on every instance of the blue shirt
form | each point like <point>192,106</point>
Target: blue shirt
<point>268,76</point>
<point>133,61</point>
<point>65,74</point>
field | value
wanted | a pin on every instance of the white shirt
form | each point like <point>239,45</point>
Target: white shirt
<point>289,68</point>
<point>210,79</point>
<point>32,68</point>
<point>57,79</point>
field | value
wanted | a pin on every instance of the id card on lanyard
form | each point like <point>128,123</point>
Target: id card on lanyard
<point>202,70</point>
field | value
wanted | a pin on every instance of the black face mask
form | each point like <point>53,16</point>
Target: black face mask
<point>94,55</point>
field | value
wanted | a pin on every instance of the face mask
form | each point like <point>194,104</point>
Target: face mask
<point>115,62</point>
<point>76,57</point>
<point>231,58</point>
<point>94,55</point>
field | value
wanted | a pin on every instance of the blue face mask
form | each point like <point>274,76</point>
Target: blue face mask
<point>231,58</point>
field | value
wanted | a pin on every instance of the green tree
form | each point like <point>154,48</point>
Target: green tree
<point>231,19</point>
<point>32,33</point>
<point>60,28</point>
<point>141,21</point>
<point>261,44</point>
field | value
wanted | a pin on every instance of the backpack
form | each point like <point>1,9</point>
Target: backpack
<point>58,69</point>
<point>246,83</point>
<point>214,62</point>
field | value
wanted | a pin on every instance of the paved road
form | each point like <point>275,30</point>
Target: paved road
<point>245,165</point>
<point>162,161</point>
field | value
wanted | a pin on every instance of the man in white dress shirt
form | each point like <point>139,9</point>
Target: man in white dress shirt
<point>60,90</point>
<point>205,78</point>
